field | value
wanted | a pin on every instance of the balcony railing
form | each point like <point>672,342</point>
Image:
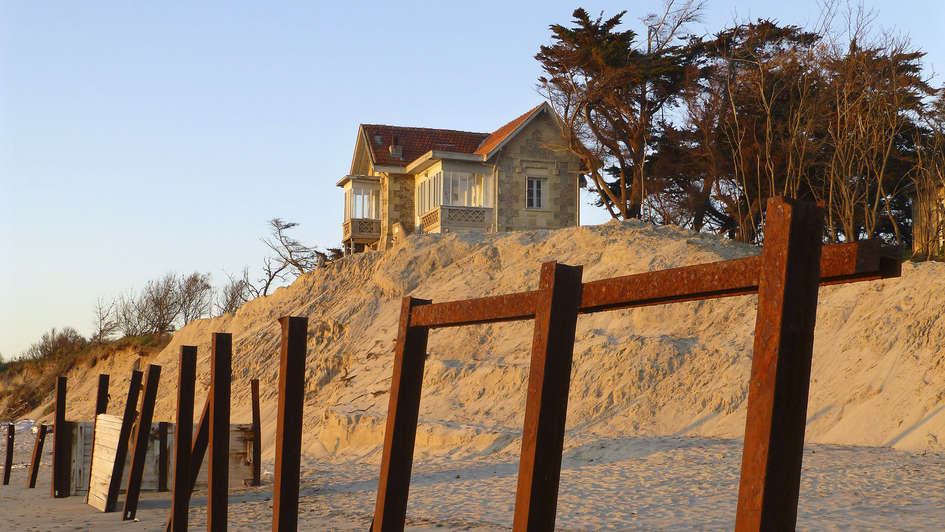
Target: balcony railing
<point>451,218</point>
<point>362,230</point>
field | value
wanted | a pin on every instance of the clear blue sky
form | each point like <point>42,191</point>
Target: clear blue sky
<point>140,138</point>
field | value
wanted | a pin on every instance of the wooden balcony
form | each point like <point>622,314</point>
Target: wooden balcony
<point>449,218</point>
<point>361,230</point>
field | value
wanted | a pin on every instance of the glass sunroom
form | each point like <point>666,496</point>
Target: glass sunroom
<point>449,200</point>
<point>362,223</point>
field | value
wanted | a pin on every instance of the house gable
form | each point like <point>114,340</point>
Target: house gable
<point>534,150</point>
<point>504,134</point>
<point>361,160</point>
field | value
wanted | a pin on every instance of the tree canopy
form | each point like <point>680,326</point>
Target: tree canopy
<point>701,131</point>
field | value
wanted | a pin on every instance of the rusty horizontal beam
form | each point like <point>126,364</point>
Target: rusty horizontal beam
<point>840,263</point>
<point>508,307</point>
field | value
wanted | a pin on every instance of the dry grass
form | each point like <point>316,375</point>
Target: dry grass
<point>25,384</point>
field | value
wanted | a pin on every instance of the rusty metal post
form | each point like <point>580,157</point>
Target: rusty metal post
<point>201,438</point>
<point>124,434</point>
<point>285,485</point>
<point>218,472</point>
<point>198,451</point>
<point>37,455</point>
<point>101,398</point>
<point>62,444</point>
<point>141,438</point>
<point>162,455</point>
<point>549,378</point>
<point>186,378</point>
<point>8,460</point>
<point>390,510</point>
<point>257,434</point>
<point>101,406</point>
<point>780,369</point>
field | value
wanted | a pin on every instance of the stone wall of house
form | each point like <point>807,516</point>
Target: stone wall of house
<point>397,198</point>
<point>529,154</point>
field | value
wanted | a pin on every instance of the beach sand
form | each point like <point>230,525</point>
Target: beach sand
<point>606,484</point>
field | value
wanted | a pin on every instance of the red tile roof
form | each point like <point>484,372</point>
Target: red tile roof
<point>503,132</point>
<point>416,141</point>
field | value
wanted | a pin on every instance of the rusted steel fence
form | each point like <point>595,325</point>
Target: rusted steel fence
<point>786,278</point>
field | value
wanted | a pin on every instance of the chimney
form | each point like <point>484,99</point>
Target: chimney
<point>396,150</point>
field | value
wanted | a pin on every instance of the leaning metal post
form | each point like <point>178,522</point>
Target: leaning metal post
<point>37,454</point>
<point>141,439</point>
<point>549,378</point>
<point>121,451</point>
<point>402,413</point>
<point>780,369</point>
<point>285,497</point>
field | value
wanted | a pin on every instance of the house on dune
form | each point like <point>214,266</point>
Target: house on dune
<point>409,179</point>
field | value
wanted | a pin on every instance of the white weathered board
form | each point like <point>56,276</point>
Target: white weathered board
<point>103,459</point>
<point>81,457</point>
<point>106,442</point>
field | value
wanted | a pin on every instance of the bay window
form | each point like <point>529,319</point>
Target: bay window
<point>361,201</point>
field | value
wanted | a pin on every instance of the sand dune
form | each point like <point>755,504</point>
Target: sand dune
<point>657,396</point>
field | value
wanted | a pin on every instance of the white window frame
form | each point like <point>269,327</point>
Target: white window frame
<point>361,202</point>
<point>467,187</point>
<point>542,199</point>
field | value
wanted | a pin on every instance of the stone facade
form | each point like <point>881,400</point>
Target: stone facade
<point>528,155</point>
<point>397,205</point>
<point>522,149</point>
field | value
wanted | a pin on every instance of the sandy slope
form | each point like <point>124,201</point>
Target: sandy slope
<point>674,370</point>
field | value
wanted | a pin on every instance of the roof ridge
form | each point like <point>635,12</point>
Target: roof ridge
<point>499,135</point>
<point>429,129</point>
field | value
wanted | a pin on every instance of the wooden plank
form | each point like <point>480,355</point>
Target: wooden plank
<point>141,439</point>
<point>81,456</point>
<point>105,445</point>
<point>107,433</point>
